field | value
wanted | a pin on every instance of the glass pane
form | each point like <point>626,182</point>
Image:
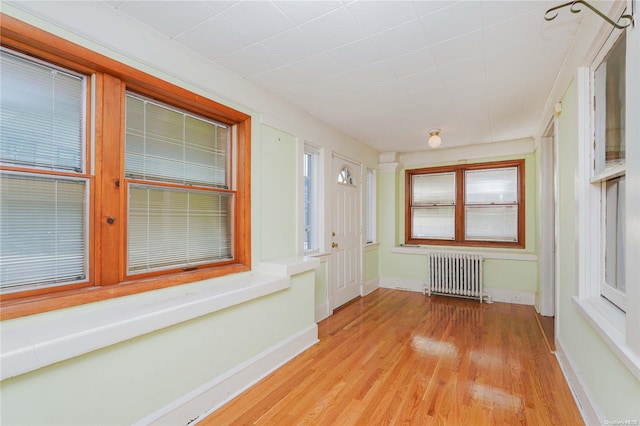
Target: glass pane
<point>167,145</point>
<point>345,176</point>
<point>492,223</point>
<point>171,228</point>
<point>498,186</point>
<point>43,230</point>
<point>610,109</point>
<point>437,188</point>
<point>433,222</point>
<point>308,201</point>
<point>42,115</point>
<point>614,249</point>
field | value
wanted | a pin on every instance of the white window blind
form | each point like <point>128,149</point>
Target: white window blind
<point>43,217</point>
<point>433,206</point>
<point>43,230</point>
<point>164,144</point>
<point>42,115</point>
<point>171,228</point>
<point>185,218</point>
<point>491,204</point>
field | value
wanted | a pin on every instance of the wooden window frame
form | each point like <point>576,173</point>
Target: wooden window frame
<point>110,80</point>
<point>459,171</point>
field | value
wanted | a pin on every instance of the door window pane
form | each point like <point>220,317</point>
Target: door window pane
<point>346,176</point>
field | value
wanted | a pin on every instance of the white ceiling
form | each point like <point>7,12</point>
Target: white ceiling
<point>385,72</point>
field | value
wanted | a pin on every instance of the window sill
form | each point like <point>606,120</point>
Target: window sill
<point>486,253</point>
<point>33,342</point>
<point>610,324</point>
<point>323,256</point>
<point>371,246</point>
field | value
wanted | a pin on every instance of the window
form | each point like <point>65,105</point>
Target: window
<point>609,76</point>
<point>176,170</point>
<point>311,201</point>
<point>607,198</point>
<point>370,207</point>
<point>474,204</point>
<point>113,181</point>
<point>45,184</point>
<point>345,176</point>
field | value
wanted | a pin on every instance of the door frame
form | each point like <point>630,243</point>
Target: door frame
<point>548,221</point>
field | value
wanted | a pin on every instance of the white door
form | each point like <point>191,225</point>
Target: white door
<point>345,235</point>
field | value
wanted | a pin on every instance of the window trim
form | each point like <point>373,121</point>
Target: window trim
<point>110,80</point>
<point>459,239</point>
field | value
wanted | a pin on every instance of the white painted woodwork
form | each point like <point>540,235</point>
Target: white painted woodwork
<point>547,232</point>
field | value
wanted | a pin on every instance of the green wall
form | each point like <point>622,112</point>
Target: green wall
<point>387,222</point>
<point>278,188</point>
<point>125,382</point>
<point>371,264</point>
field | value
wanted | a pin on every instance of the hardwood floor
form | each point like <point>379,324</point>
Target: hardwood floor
<point>547,326</point>
<point>396,357</point>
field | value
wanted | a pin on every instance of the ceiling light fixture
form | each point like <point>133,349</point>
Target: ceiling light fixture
<point>434,138</point>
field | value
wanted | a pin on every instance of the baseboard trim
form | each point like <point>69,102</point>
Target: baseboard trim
<point>402,284</point>
<point>202,401</point>
<point>511,296</point>
<point>585,401</point>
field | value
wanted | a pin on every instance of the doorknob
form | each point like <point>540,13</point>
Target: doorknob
<point>334,245</point>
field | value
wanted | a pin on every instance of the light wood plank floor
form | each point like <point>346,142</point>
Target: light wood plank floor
<point>396,357</point>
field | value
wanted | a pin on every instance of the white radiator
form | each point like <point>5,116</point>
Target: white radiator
<point>455,274</point>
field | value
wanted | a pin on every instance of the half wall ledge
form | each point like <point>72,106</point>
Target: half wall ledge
<point>36,341</point>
